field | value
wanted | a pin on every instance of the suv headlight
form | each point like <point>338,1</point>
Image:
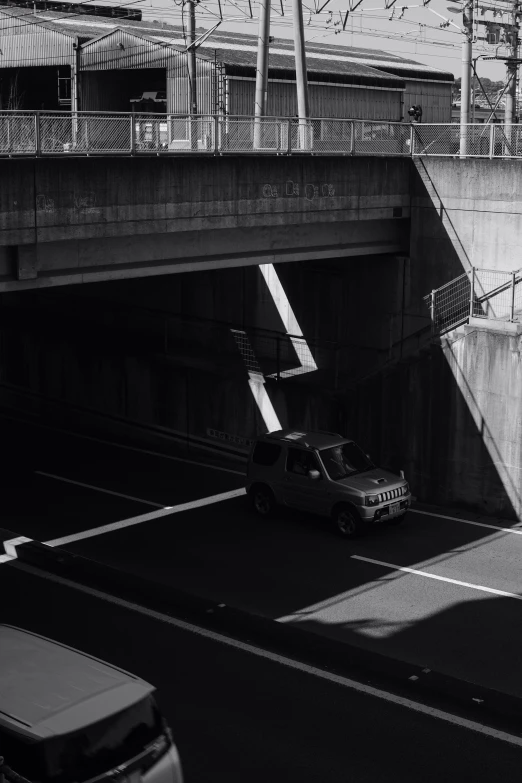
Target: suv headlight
<point>405,489</point>
<point>371,500</point>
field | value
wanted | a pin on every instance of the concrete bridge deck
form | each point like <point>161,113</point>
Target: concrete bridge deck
<point>89,219</point>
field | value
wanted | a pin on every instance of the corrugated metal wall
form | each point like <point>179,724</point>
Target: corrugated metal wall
<point>124,50</point>
<point>37,47</point>
<point>325,100</point>
<point>434,97</point>
<point>178,86</point>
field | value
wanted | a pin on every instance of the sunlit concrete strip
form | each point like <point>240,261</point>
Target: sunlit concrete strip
<point>439,578</point>
<point>304,355</point>
<point>282,660</point>
<point>152,515</point>
<point>10,548</point>
<point>263,401</point>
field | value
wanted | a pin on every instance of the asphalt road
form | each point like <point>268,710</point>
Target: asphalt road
<point>239,717</point>
<point>459,613</point>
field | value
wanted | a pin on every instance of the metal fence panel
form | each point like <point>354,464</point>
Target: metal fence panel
<point>436,140</point>
<point>253,134</point>
<point>492,294</point>
<point>381,138</point>
<point>81,133</point>
<point>17,134</point>
<point>450,304</point>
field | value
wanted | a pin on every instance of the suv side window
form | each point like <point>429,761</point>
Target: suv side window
<point>266,454</point>
<point>300,462</point>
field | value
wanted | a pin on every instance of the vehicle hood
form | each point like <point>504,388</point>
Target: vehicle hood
<point>372,481</point>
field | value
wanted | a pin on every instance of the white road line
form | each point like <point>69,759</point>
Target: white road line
<point>439,578</point>
<point>123,446</point>
<point>516,531</point>
<point>282,660</point>
<point>99,489</point>
<point>164,512</point>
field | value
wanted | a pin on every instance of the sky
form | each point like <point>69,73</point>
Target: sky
<point>413,31</point>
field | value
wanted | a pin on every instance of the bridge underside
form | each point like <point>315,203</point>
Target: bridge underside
<point>86,220</point>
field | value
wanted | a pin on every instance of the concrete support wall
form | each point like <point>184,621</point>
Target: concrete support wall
<point>465,212</point>
<point>452,419</point>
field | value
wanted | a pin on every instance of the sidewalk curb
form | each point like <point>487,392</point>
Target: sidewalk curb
<point>304,645</point>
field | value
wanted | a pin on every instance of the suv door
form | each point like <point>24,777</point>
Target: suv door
<point>299,490</point>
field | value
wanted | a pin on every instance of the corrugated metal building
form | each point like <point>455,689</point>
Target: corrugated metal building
<point>118,59</point>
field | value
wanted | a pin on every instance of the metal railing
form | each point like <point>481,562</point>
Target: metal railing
<point>43,133</point>
<point>479,293</point>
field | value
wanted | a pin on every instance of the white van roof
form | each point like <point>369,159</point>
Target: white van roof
<point>47,688</point>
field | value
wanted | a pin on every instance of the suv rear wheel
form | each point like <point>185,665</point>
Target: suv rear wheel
<point>346,521</point>
<point>262,500</point>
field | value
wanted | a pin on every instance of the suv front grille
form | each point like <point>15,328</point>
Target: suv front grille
<point>391,494</point>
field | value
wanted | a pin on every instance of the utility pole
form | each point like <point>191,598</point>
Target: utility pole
<point>191,67</point>
<point>303,106</point>
<point>511,74</point>
<point>261,100</point>
<point>465,84</point>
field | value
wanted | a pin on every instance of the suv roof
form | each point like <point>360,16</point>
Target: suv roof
<point>47,688</point>
<point>314,440</point>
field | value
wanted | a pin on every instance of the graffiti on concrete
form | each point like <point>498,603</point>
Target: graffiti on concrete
<point>310,191</point>
<point>44,203</point>
<point>85,202</point>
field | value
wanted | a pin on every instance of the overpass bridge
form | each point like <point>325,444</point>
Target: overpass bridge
<point>92,197</point>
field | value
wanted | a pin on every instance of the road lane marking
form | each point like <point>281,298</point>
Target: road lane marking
<point>467,521</point>
<point>437,577</point>
<point>163,512</point>
<point>259,652</point>
<point>116,445</point>
<point>99,489</point>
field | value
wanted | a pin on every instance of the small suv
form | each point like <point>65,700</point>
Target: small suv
<point>326,474</point>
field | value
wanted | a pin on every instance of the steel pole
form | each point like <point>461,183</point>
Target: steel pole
<point>261,99</point>
<point>465,89</point>
<point>303,106</point>
<point>511,77</point>
<point>191,66</point>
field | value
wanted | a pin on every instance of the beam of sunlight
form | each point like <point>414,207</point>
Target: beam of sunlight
<point>292,328</point>
<point>304,355</point>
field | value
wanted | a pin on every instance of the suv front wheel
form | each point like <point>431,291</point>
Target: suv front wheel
<point>262,500</point>
<point>346,521</point>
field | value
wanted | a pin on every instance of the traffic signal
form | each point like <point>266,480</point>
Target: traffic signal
<point>415,112</point>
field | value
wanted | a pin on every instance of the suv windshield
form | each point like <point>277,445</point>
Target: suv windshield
<point>345,460</point>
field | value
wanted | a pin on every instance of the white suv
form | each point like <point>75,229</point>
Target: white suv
<point>326,474</point>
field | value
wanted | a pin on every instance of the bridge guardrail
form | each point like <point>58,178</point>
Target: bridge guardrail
<point>24,133</point>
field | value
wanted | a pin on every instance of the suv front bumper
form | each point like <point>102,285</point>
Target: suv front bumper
<point>376,513</point>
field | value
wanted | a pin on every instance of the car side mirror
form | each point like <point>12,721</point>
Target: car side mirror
<point>314,474</point>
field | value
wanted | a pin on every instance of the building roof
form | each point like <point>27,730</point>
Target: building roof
<point>238,51</point>
<point>45,686</point>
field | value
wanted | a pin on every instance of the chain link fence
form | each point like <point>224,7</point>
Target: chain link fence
<point>479,293</point>
<point>17,134</point>
<point>59,133</point>
<point>382,138</point>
